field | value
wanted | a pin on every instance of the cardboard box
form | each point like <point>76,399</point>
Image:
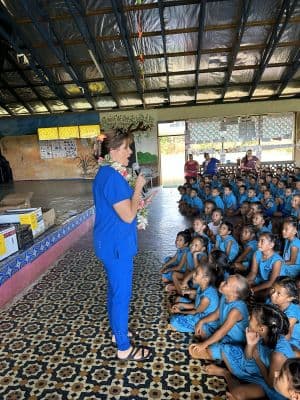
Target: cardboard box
<point>48,217</point>
<point>25,216</point>
<point>8,242</point>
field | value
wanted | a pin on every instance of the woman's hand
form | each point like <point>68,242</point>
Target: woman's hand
<point>140,182</point>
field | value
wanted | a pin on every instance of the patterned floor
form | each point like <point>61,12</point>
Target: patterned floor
<point>56,344</point>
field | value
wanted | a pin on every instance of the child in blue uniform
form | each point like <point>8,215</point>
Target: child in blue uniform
<point>285,296</point>
<point>196,204</point>
<point>206,301</point>
<point>287,380</point>
<point>242,195</point>
<point>209,207</point>
<point>252,198</point>
<point>291,252</point>
<point>199,227</point>
<point>226,242</point>
<point>215,196</point>
<point>256,364</point>
<point>249,246</point>
<point>260,224</point>
<point>266,266</point>
<point>178,261</point>
<point>269,204</point>
<point>229,200</point>
<point>227,324</point>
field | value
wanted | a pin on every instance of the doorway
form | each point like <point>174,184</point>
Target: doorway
<point>172,153</point>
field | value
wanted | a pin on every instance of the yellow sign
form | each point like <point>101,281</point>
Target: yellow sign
<point>89,131</point>
<point>29,219</point>
<point>48,133</point>
<point>68,132</point>
<point>2,245</point>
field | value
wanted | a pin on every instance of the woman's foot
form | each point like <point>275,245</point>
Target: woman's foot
<point>134,354</point>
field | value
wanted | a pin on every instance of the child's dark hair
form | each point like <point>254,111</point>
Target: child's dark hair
<point>274,319</point>
<point>291,221</point>
<point>228,186</point>
<point>250,228</point>
<point>228,224</point>
<point>243,288</point>
<point>290,286</point>
<point>186,234</point>
<point>219,263</point>
<point>219,210</point>
<point>208,272</point>
<point>292,366</point>
<point>199,218</point>
<point>203,240</point>
<point>269,236</point>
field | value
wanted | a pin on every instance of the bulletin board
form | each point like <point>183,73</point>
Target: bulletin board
<point>58,149</point>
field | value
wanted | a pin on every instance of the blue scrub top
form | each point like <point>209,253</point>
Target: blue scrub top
<point>113,238</point>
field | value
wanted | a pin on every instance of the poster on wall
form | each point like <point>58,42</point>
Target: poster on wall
<point>58,149</point>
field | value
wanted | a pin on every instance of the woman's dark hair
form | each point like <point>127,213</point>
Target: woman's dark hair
<point>290,286</point>
<point>274,319</point>
<point>186,234</point>
<point>292,366</point>
<point>229,225</point>
<point>113,139</point>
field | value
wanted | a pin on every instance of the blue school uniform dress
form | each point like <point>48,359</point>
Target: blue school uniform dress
<point>253,246</point>
<point>254,199</point>
<point>294,269</point>
<point>293,311</point>
<point>186,323</point>
<point>265,266</point>
<point>222,243</point>
<point>287,206</point>
<point>230,201</point>
<point>218,202</point>
<point>247,370</point>
<point>241,198</point>
<point>179,255</point>
<point>115,243</point>
<point>236,335</point>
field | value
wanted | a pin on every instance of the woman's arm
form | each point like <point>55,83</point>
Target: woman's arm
<point>127,209</point>
<point>293,257</point>
<point>275,273</point>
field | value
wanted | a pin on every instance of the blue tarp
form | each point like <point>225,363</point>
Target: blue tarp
<point>29,125</point>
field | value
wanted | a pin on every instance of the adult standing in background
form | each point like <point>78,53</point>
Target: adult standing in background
<point>250,163</point>
<point>210,166</point>
<point>115,235</point>
<point>191,168</point>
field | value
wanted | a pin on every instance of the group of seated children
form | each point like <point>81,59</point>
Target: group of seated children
<point>237,294</point>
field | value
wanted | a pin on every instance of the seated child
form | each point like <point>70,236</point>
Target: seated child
<point>296,208</point>
<point>215,196</point>
<point>229,200</point>
<point>268,204</point>
<point>260,224</point>
<point>196,254</point>
<point>226,242</point>
<point>196,204</point>
<point>255,366</point>
<point>242,195</point>
<point>249,246</point>
<point>252,196</point>
<point>199,227</point>
<point>206,300</point>
<point>215,224</point>
<point>285,295</point>
<point>178,261</point>
<point>209,206</point>
<point>265,268</point>
<point>291,251</point>
<point>227,324</point>
<point>287,380</point>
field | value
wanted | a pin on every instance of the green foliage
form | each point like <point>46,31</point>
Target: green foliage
<point>146,158</point>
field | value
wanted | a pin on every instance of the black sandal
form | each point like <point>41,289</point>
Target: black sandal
<point>145,354</point>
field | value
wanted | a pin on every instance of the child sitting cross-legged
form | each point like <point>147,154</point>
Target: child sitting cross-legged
<point>226,242</point>
<point>201,302</point>
<point>227,324</point>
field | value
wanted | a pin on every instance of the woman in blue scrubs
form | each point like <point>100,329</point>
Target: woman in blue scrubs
<point>115,236</point>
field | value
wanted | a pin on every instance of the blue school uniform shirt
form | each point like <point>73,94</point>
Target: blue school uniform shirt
<point>113,238</point>
<point>294,269</point>
<point>253,199</point>
<point>222,244</point>
<point>269,207</point>
<point>218,202</point>
<point>287,205</point>
<point>185,197</point>
<point>265,266</point>
<point>229,201</point>
<point>241,198</point>
<point>197,203</point>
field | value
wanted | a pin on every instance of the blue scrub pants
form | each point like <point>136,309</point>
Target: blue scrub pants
<point>119,274</point>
